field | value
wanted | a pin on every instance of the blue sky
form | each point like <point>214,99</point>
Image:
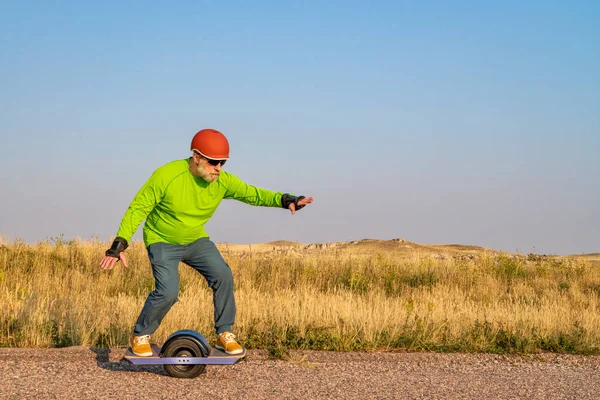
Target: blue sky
<point>438,122</point>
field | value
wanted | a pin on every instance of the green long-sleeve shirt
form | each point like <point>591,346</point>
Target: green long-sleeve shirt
<point>176,204</point>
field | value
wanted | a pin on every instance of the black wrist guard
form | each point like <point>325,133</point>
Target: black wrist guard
<point>287,199</point>
<point>117,247</point>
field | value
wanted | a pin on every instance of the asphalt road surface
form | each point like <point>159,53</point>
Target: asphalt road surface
<point>88,373</point>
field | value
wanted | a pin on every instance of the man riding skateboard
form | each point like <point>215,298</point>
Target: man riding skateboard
<point>177,201</point>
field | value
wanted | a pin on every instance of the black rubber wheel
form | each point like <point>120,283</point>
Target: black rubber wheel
<point>183,347</point>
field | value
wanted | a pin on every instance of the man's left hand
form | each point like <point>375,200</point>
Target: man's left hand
<point>301,203</point>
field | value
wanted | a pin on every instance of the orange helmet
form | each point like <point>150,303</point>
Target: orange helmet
<point>211,144</point>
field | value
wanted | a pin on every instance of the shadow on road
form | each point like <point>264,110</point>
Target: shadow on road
<point>103,361</point>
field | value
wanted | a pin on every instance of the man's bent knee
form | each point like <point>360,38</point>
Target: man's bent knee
<point>165,297</point>
<point>222,276</point>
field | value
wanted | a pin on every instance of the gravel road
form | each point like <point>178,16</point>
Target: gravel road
<point>84,373</point>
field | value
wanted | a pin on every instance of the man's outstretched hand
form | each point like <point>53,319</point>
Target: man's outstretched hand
<point>301,203</point>
<point>115,253</point>
<point>109,262</point>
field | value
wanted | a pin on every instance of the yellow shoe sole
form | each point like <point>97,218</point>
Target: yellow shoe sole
<point>142,354</point>
<point>231,353</point>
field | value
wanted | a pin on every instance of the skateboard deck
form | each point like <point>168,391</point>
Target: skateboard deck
<point>216,357</point>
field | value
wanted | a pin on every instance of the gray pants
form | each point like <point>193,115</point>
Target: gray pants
<point>204,257</point>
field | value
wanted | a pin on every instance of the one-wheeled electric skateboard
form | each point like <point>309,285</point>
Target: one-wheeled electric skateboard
<point>185,354</point>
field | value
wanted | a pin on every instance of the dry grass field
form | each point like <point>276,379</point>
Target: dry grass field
<point>362,295</point>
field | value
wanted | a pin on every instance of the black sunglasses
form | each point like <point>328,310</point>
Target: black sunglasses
<point>214,163</point>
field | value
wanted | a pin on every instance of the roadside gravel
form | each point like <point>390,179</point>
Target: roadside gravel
<point>87,373</point>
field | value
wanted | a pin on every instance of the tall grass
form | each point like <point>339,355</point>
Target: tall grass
<point>53,294</point>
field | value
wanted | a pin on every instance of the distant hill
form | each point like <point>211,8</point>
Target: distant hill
<point>284,243</point>
<point>368,246</point>
<point>363,246</point>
